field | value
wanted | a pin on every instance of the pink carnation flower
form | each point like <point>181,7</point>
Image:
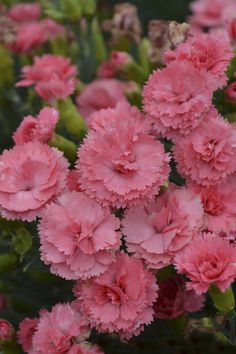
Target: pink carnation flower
<point>26,332</point>
<point>121,299</point>
<point>31,175</point>
<point>85,348</point>
<point>230,92</point>
<point>175,300</point>
<point>206,261</point>
<point>6,330</point>
<point>78,237</point>
<point>73,181</point>
<point>161,229</point>
<point>52,28</point>
<point>219,203</point>
<point>25,12</point>
<point>120,164</point>
<point>58,330</point>
<point>210,52</point>
<point>207,155</point>
<point>106,70</point>
<point>100,94</point>
<point>176,99</point>
<point>40,128</point>
<point>55,88</point>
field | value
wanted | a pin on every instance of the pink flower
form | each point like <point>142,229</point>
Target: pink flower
<point>219,203</point>
<point>58,330</point>
<point>25,12</point>
<point>210,52</point>
<point>119,163</point>
<point>231,28</point>
<point>6,330</point>
<point>46,67</point>
<point>207,155</point>
<point>73,181</point>
<point>175,300</point>
<point>106,70</point>
<point>121,299</point>
<point>26,332</point>
<point>40,128</point>
<point>31,175</point>
<point>85,348</point>
<point>78,237</point>
<point>100,94</point>
<point>230,92</point>
<point>29,36</point>
<point>206,261</point>
<point>55,88</point>
<point>119,60</point>
<point>161,229</point>
<point>212,13</point>
<point>52,28</point>
<point>176,98</point>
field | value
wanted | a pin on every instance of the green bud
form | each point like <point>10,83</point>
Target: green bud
<point>22,241</point>
<point>72,9</point>
<point>143,49</point>
<point>8,261</point>
<point>223,301</point>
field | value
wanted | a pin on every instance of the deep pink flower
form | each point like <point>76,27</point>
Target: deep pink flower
<point>210,52</point>
<point>106,70</point>
<point>230,92</point>
<point>207,155</point>
<point>6,330</point>
<point>40,128</point>
<point>161,229</point>
<point>176,98</point>
<point>31,175</point>
<point>121,299</point>
<point>120,164</point>
<point>26,331</point>
<point>25,12</point>
<point>207,260</point>
<point>73,181</point>
<point>78,237</point>
<point>100,94</point>
<point>219,203</point>
<point>58,330</point>
<point>175,300</point>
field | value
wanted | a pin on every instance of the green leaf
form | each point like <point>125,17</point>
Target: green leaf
<point>22,241</point>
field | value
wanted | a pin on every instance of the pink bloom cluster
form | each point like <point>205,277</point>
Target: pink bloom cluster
<point>121,299</point>
<point>52,75</point>
<point>120,164</point>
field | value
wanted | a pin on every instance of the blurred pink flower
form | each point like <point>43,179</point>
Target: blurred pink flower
<point>25,12</point>
<point>39,129</point>
<point>26,331</point>
<point>78,237</point>
<point>106,70</point>
<point>55,88</point>
<point>207,260</point>
<point>121,299</point>
<point>31,175</point>
<point>156,232</point>
<point>120,164</point>
<point>230,92</point>
<point>6,330</point>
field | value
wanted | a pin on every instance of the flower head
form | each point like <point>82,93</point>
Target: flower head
<point>26,332</point>
<point>25,12</point>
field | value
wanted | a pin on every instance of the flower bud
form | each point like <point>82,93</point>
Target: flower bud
<point>230,92</point>
<point>223,302</point>
<point>6,331</point>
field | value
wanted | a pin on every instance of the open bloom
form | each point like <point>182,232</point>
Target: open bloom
<point>121,299</point>
<point>119,163</point>
<point>159,230</point>
<point>210,52</point>
<point>176,99</point>
<point>208,260</point>
<point>26,332</point>
<point>25,12</point>
<point>219,204</point>
<point>207,155</point>
<point>175,300</point>
<point>100,94</point>
<point>31,175</point>
<point>40,128</point>
<point>78,237</point>
<point>58,330</point>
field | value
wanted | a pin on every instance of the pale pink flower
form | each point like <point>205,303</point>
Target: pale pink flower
<point>52,28</point>
<point>207,261</point>
<point>175,300</point>
<point>210,52</point>
<point>219,204</point>
<point>26,331</point>
<point>31,175</point>
<point>40,128</point>
<point>55,88</point>
<point>120,164</point>
<point>161,229</point>
<point>6,330</point>
<point>100,94</point>
<point>58,330</point>
<point>121,299</point>
<point>78,237</point>
<point>207,155</point>
<point>176,99</point>
<point>25,12</point>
